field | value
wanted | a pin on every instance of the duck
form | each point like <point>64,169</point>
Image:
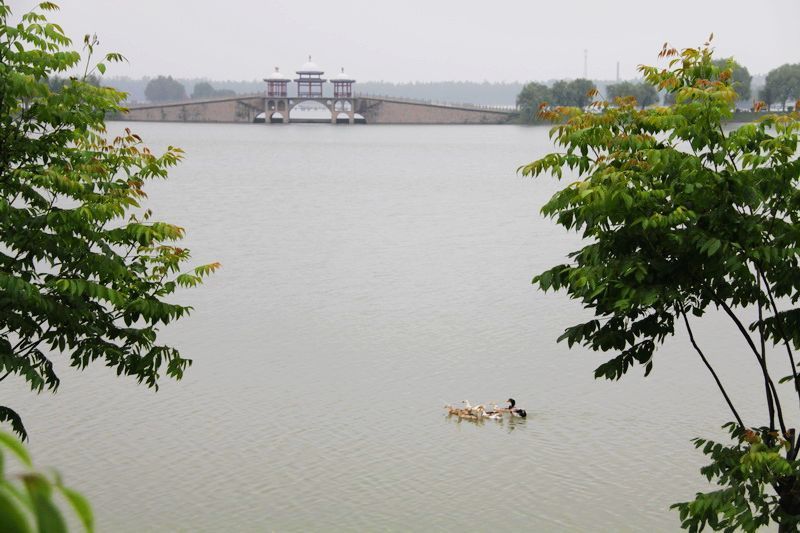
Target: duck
<point>471,412</point>
<point>478,412</point>
<point>514,411</point>
<point>452,410</point>
<point>462,412</point>
<point>493,414</point>
<point>496,411</point>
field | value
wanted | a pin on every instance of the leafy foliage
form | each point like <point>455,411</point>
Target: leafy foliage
<point>742,80</point>
<point>746,470</point>
<point>680,216</point>
<point>82,269</point>
<point>28,500</point>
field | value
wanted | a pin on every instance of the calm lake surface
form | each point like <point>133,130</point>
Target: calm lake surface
<point>372,274</point>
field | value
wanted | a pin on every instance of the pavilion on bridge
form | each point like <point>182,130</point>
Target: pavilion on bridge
<point>310,87</point>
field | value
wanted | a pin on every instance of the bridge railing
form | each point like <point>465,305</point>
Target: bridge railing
<point>460,105</point>
<point>240,96</point>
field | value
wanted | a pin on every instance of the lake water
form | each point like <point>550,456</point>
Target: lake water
<point>372,274</point>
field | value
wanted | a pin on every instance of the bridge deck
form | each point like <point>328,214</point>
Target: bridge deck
<point>374,109</point>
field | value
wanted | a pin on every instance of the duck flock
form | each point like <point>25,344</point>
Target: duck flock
<point>479,412</point>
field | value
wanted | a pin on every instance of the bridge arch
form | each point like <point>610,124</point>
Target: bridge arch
<point>313,105</point>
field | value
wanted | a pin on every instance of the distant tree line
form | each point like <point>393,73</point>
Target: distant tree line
<point>56,83</point>
<point>644,93</point>
<point>479,93</point>
<point>206,90</point>
<point>575,93</point>
<point>167,89</point>
<point>782,86</point>
<point>164,89</point>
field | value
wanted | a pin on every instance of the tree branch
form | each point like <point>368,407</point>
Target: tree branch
<point>710,368</point>
<point>768,380</point>
<point>770,405</point>
<point>781,331</point>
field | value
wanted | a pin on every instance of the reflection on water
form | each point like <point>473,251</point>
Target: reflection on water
<point>367,273</point>
<point>507,423</point>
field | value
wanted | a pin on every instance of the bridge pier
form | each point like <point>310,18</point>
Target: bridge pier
<point>274,105</point>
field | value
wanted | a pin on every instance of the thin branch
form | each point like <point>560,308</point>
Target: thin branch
<point>710,369</point>
<point>770,405</point>
<point>781,331</point>
<point>767,378</point>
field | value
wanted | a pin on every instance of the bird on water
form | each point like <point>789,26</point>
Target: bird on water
<point>519,412</point>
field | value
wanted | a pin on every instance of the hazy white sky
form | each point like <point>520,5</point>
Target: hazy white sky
<point>416,40</point>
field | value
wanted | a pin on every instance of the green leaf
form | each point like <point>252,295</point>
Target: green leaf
<point>14,446</point>
<point>9,415</point>
<point>80,505</point>
<point>48,517</point>
<point>12,517</point>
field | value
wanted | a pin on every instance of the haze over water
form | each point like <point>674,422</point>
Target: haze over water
<point>371,275</point>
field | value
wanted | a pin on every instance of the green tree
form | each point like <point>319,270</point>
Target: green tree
<point>742,80</point>
<point>532,96</point>
<point>681,216</point>
<point>27,502</point>
<point>644,93</point>
<point>580,92</point>
<point>575,93</point>
<point>203,89</point>
<point>782,84</point>
<point>766,95</point>
<point>83,269</point>
<point>164,89</point>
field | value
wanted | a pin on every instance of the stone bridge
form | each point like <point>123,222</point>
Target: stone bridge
<point>368,109</point>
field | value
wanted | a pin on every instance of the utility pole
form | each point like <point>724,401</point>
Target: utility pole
<point>617,71</point>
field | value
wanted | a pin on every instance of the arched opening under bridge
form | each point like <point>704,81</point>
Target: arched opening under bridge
<point>310,111</point>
